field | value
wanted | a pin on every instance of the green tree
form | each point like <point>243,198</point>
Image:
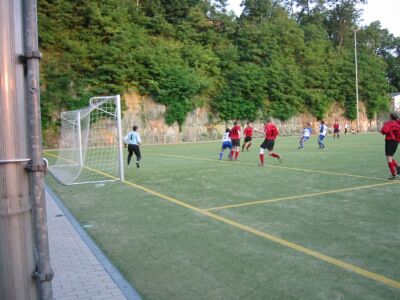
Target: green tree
<point>273,59</point>
<point>176,89</point>
<point>243,94</point>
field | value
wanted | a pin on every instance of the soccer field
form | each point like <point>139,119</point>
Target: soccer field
<point>323,224</point>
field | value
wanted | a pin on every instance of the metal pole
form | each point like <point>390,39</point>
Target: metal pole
<point>356,67</point>
<point>44,273</point>
<point>17,260</point>
<point>79,128</point>
<point>119,128</point>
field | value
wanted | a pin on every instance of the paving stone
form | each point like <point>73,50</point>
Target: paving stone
<point>78,275</point>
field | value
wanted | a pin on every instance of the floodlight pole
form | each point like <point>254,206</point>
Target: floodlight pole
<point>355,29</point>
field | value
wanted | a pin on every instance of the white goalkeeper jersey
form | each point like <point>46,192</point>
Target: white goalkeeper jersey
<point>133,138</point>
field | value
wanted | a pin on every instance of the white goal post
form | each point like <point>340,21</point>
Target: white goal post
<point>90,146</point>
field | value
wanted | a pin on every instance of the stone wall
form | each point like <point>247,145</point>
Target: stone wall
<point>149,116</point>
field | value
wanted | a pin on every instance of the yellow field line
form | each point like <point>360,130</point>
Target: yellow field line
<point>301,249</point>
<point>315,254</point>
<point>304,250</point>
<point>271,166</point>
<point>86,167</point>
<point>301,196</point>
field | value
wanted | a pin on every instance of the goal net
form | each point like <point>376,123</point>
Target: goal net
<point>90,147</point>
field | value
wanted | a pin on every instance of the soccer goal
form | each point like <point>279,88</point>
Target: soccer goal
<point>90,146</point>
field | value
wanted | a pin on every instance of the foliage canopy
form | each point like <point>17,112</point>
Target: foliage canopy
<point>277,58</point>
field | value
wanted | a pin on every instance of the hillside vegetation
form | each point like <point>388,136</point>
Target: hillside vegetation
<point>278,58</point>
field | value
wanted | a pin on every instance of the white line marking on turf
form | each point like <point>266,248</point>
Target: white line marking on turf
<point>301,196</point>
<point>271,166</point>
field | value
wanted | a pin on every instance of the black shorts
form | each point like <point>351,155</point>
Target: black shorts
<point>269,144</point>
<point>134,149</point>
<point>391,147</point>
<point>235,142</point>
<point>247,139</point>
<point>336,130</point>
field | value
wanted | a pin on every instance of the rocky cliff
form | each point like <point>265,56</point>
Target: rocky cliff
<point>149,116</point>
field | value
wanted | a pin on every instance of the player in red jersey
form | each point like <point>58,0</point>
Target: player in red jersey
<point>271,133</point>
<point>248,136</point>
<point>234,134</point>
<point>391,130</point>
<point>336,129</point>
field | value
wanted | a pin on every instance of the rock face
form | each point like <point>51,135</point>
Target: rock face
<point>199,126</point>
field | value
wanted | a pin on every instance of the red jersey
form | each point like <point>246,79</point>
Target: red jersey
<point>271,131</point>
<point>392,131</point>
<point>336,126</point>
<point>234,134</point>
<point>248,132</point>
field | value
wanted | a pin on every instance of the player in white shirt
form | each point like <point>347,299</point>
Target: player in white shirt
<point>226,143</point>
<point>346,128</point>
<point>133,141</point>
<point>305,136</point>
<point>323,129</point>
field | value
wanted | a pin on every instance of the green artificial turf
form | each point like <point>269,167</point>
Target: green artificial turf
<point>264,224</point>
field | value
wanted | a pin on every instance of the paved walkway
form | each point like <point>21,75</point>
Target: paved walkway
<point>81,269</point>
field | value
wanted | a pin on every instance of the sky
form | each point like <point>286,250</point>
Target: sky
<point>385,11</point>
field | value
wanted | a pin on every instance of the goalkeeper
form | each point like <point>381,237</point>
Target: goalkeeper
<point>133,141</point>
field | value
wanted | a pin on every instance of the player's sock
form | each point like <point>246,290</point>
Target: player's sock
<point>221,154</point>
<point>248,146</point>
<point>236,154</point>
<point>262,158</point>
<point>392,168</point>
<point>232,152</point>
<point>275,155</point>
<point>395,163</point>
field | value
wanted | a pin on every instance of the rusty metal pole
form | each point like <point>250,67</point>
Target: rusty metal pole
<point>17,260</point>
<point>36,167</point>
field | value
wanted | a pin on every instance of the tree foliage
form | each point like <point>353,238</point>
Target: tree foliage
<point>278,58</point>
